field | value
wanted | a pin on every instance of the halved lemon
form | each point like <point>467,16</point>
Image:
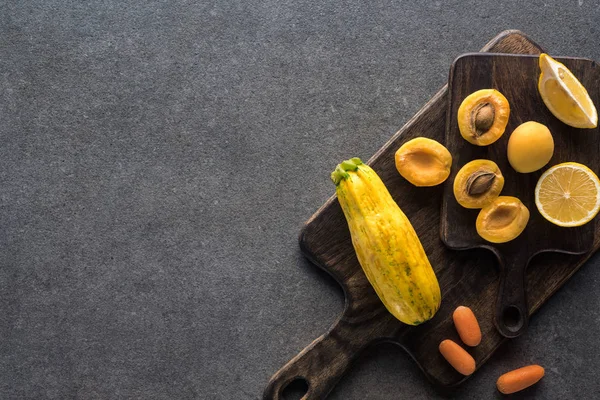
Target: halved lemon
<point>568,194</point>
<point>564,95</point>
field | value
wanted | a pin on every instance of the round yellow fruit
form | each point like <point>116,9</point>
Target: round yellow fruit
<point>530,147</point>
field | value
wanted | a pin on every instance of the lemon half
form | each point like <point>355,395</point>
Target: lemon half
<point>568,194</point>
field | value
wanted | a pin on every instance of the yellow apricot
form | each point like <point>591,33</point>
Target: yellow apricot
<point>530,147</point>
<point>502,220</point>
<point>478,183</point>
<point>423,162</point>
<point>482,116</point>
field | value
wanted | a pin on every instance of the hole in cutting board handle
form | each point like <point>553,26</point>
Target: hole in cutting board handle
<point>296,389</point>
<point>512,318</point>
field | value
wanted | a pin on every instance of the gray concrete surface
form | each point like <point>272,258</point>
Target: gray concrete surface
<point>158,159</point>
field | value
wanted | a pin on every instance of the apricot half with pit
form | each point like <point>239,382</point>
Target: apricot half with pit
<point>530,147</point>
<point>478,183</point>
<point>423,162</point>
<point>482,116</point>
<point>502,220</point>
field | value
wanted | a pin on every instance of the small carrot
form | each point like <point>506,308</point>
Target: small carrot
<point>467,326</point>
<point>457,357</point>
<point>519,379</point>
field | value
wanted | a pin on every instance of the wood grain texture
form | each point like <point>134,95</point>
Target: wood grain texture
<point>466,277</point>
<point>516,77</point>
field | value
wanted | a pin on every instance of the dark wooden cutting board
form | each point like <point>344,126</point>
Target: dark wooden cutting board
<point>466,277</point>
<point>516,77</point>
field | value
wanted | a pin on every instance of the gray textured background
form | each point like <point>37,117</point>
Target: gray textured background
<point>158,159</point>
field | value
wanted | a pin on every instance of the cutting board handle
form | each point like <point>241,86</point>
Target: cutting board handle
<point>512,316</point>
<point>322,364</point>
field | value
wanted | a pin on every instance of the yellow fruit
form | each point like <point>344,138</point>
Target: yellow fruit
<point>423,162</point>
<point>568,194</point>
<point>387,247</point>
<point>482,117</point>
<point>530,147</point>
<point>478,183</point>
<point>564,95</point>
<point>502,220</point>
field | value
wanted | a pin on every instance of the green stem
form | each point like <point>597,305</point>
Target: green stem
<point>341,170</point>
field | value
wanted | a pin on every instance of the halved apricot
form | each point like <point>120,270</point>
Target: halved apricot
<point>482,116</point>
<point>423,162</point>
<point>478,183</point>
<point>502,220</point>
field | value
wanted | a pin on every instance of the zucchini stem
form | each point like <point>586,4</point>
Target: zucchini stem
<point>341,170</point>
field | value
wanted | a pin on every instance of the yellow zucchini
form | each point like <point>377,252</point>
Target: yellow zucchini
<point>386,244</point>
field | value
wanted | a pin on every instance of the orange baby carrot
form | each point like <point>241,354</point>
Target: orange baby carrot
<point>457,357</point>
<point>467,326</point>
<point>519,379</point>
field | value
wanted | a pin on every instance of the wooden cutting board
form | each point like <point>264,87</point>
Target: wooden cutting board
<point>466,277</point>
<point>516,77</point>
